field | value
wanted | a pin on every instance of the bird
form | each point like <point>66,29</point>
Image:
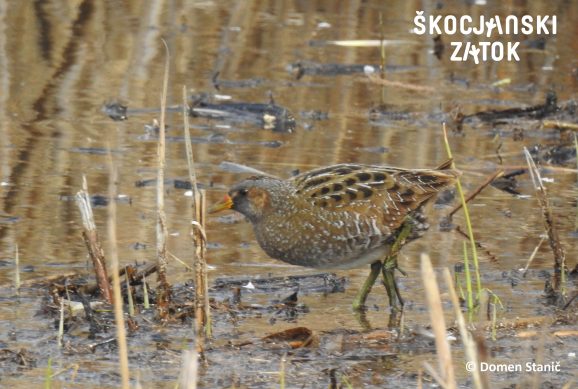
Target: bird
<point>342,216</point>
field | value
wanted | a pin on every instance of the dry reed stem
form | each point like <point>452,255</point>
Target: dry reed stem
<point>553,237</point>
<point>199,238</point>
<point>17,281</point>
<point>480,382</point>
<point>436,313</point>
<point>92,242</point>
<point>560,125</point>
<point>118,302</point>
<point>163,288</point>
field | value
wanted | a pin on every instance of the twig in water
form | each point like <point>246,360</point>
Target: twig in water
<point>476,191</point>
<point>532,256</point>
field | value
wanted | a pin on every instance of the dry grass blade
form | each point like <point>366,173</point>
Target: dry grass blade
<point>560,125</point>
<point>190,370</point>
<point>553,237</point>
<point>163,295</point>
<point>118,301</point>
<point>446,369</point>
<point>92,241</point>
<point>480,382</point>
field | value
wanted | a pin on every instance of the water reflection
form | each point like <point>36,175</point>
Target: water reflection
<point>60,63</point>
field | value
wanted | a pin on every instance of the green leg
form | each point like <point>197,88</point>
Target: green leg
<point>390,264</point>
<point>359,301</point>
<point>387,269</point>
<point>390,283</point>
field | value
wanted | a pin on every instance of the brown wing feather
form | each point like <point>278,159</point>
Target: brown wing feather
<point>379,191</point>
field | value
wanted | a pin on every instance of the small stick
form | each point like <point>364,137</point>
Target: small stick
<point>173,256</point>
<point>491,256</point>
<point>92,241</point>
<point>476,191</point>
<point>151,268</point>
<point>532,256</point>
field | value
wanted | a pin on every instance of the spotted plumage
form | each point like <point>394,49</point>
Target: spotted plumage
<point>341,216</point>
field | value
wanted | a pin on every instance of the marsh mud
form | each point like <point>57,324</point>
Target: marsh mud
<point>276,87</point>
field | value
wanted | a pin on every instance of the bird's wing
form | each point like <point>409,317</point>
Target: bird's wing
<point>372,190</point>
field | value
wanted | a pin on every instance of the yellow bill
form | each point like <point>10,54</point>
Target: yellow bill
<point>226,203</point>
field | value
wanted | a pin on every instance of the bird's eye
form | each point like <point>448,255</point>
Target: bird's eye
<point>243,192</point>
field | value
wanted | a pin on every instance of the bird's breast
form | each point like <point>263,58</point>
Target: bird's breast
<point>323,241</point>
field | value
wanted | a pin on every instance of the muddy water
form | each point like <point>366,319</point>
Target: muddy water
<point>60,63</point>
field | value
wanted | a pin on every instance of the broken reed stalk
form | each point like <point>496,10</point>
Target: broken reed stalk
<point>532,256</point>
<point>145,292</point>
<point>116,287</point>
<point>199,238</point>
<point>480,381</point>
<point>163,287</point>
<point>92,241</point>
<point>466,214</point>
<point>445,377</point>
<point>476,191</point>
<point>559,277</point>
<point>60,335</point>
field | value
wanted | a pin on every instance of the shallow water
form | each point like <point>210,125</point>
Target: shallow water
<point>60,64</point>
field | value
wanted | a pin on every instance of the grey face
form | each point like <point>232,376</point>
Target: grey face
<point>250,198</point>
<point>256,196</point>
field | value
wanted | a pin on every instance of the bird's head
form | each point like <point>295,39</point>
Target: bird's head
<point>255,197</point>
